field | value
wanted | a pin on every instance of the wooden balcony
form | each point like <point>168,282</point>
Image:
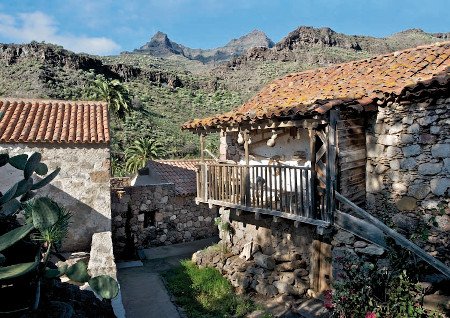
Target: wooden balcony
<point>277,190</point>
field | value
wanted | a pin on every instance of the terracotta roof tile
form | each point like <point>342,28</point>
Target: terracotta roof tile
<point>317,90</point>
<point>28,121</point>
<point>182,173</point>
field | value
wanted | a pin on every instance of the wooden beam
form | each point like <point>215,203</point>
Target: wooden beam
<point>400,239</point>
<point>331,182</point>
<point>247,172</point>
<point>283,215</point>
<point>202,148</point>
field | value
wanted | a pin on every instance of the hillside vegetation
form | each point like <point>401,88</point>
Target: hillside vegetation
<point>165,92</point>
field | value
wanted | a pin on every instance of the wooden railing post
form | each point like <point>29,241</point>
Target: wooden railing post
<point>205,181</point>
<point>247,169</point>
<point>312,183</point>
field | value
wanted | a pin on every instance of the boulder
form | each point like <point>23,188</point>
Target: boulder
<point>284,288</point>
<point>440,186</point>
<point>406,204</point>
<point>429,168</point>
<point>263,260</point>
<point>419,190</point>
<point>412,150</point>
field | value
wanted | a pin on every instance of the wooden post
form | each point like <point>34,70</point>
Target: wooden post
<point>312,184</point>
<point>202,147</point>
<point>331,166</point>
<point>247,170</point>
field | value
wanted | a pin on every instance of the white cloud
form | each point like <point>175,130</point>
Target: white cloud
<point>38,26</point>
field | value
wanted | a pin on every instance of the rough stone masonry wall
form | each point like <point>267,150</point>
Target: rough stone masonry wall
<point>268,257</point>
<point>82,186</point>
<point>408,170</point>
<point>154,215</point>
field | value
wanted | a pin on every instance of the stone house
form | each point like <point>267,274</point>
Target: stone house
<point>72,135</point>
<point>303,158</point>
<point>158,208</point>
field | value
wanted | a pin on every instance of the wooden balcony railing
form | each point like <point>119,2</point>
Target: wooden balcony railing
<point>278,190</point>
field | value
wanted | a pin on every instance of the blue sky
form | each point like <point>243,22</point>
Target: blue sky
<point>111,26</point>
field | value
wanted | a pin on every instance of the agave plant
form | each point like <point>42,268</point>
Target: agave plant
<point>140,152</point>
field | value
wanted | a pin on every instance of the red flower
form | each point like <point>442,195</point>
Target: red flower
<point>328,299</point>
<point>371,314</point>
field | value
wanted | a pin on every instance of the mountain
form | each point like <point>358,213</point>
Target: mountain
<point>161,46</point>
<point>304,38</point>
<point>171,83</point>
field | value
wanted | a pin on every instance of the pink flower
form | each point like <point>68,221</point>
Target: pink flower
<point>328,299</point>
<point>371,314</point>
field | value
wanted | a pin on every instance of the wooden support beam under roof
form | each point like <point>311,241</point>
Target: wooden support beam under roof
<point>267,124</point>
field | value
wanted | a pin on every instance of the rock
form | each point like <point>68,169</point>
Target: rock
<point>301,272</point>
<point>344,237</point>
<point>407,139</point>
<point>436,302</point>
<point>425,121</point>
<point>290,266</point>
<point>284,288</point>
<point>428,169</point>
<point>344,253</point>
<point>426,287</point>
<point>380,168</point>
<point>394,164</point>
<point>246,251</point>
<point>440,151</point>
<point>412,150</point>
<point>163,238</point>
<point>427,139</point>
<point>439,186</point>
<point>141,217</point>
<point>419,190</point>
<point>240,280</point>
<point>408,163</point>
<point>374,150</point>
<point>196,257</point>
<point>392,151</point>
<point>265,261</point>
<point>265,289</point>
<point>360,244</point>
<point>164,199</point>
<point>430,204</point>
<point>447,165</point>
<point>187,235</point>
<point>399,187</point>
<point>396,128</point>
<point>287,277</point>
<point>143,207</point>
<point>159,217</point>
<point>406,204</point>
<point>371,250</point>
<point>388,140</point>
<point>413,129</point>
<point>405,223</point>
<point>435,130</point>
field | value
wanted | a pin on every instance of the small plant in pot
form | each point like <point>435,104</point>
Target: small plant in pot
<point>25,250</point>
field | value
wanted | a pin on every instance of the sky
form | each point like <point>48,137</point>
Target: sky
<point>107,27</point>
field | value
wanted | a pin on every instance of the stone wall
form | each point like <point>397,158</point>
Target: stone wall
<point>408,170</point>
<point>153,215</point>
<point>82,186</point>
<point>268,257</point>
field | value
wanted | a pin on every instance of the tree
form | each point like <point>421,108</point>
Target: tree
<point>141,151</point>
<point>113,92</point>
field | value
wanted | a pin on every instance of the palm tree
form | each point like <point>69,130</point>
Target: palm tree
<point>141,151</point>
<point>113,92</point>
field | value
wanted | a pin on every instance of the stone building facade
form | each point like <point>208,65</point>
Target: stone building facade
<point>154,215</point>
<point>80,148</point>
<point>408,169</point>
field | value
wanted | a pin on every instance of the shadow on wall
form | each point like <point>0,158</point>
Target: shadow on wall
<point>84,223</point>
<point>408,171</point>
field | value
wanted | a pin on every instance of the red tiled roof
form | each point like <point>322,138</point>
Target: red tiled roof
<point>318,90</point>
<point>182,173</point>
<point>50,121</point>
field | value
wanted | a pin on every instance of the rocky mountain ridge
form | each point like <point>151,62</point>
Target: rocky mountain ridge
<point>161,46</point>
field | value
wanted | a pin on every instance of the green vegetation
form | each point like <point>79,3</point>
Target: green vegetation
<point>140,152</point>
<point>364,289</point>
<point>205,293</point>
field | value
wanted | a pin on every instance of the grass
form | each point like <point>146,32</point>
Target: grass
<point>204,292</point>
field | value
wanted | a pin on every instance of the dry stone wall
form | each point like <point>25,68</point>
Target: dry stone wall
<point>408,170</point>
<point>268,257</point>
<point>155,215</point>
